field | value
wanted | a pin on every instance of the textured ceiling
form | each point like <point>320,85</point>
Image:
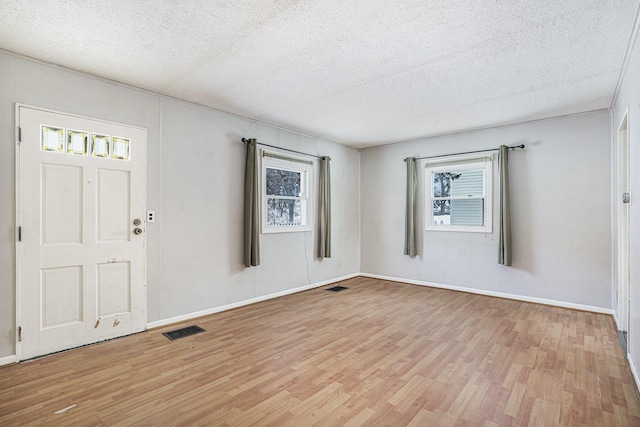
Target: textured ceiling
<point>359,72</point>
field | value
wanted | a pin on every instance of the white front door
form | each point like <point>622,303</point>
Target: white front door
<point>80,255</point>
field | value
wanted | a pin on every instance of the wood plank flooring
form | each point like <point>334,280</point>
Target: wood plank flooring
<point>378,354</point>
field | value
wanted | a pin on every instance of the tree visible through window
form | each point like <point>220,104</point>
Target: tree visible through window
<point>460,196</point>
<point>287,210</point>
<point>441,188</point>
<point>285,194</point>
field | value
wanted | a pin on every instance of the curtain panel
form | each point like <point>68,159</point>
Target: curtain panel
<point>504,240</point>
<point>410,247</point>
<point>324,205</point>
<point>252,206</point>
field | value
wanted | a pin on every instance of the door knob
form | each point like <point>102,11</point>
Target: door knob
<point>137,230</point>
<point>137,222</point>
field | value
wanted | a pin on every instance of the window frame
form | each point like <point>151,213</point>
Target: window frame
<point>294,164</point>
<point>453,164</point>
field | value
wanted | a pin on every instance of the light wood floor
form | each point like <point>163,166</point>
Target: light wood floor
<point>378,354</point>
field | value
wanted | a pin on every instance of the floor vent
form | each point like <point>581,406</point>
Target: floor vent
<point>184,332</point>
<point>337,288</point>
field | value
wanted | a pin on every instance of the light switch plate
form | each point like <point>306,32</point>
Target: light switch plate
<point>151,216</point>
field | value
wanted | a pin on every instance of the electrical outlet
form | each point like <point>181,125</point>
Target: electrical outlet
<point>151,216</point>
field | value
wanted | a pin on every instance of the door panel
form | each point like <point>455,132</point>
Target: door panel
<point>114,288</point>
<point>61,204</point>
<point>61,290</point>
<point>113,205</point>
<point>81,275</point>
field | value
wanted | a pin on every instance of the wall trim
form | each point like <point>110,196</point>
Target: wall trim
<point>188,316</point>
<point>8,360</point>
<point>555,303</point>
<point>523,298</point>
<point>634,371</point>
<point>615,320</point>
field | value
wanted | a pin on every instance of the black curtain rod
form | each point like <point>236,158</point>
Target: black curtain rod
<point>245,140</point>
<point>513,147</point>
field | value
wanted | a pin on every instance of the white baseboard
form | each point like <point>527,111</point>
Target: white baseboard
<point>563,304</point>
<point>544,301</point>
<point>634,371</point>
<point>8,360</point>
<point>176,319</point>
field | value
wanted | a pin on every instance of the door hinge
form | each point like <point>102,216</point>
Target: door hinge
<point>19,333</point>
<point>19,134</point>
<point>20,234</point>
<point>626,197</point>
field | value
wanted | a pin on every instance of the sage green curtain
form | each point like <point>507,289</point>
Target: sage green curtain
<point>251,206</point>
<point>410,247</point>
<point>324,204</point>
<point>504,243</point>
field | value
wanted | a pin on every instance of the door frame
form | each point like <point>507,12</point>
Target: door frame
<point>622,224</point>
<point>17,338</point>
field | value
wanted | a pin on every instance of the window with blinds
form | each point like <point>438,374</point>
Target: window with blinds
<point>459,195</point>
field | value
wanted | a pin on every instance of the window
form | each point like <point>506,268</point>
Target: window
<point>285,193</point>
<point>79,143</point>
<point>459,195</point>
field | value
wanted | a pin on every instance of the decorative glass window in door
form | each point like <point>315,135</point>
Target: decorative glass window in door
<point>77,142</point>
<point>120,148</point>
<point>52,139</point>
<point>99,145</point>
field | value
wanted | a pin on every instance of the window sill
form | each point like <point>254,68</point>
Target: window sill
<point>460,228</point>
<point>276,230</point>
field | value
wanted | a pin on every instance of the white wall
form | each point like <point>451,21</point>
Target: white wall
<point>199,228</point>
<point>560,210</point>
<point>629,97</point>
<point>194,184</point>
